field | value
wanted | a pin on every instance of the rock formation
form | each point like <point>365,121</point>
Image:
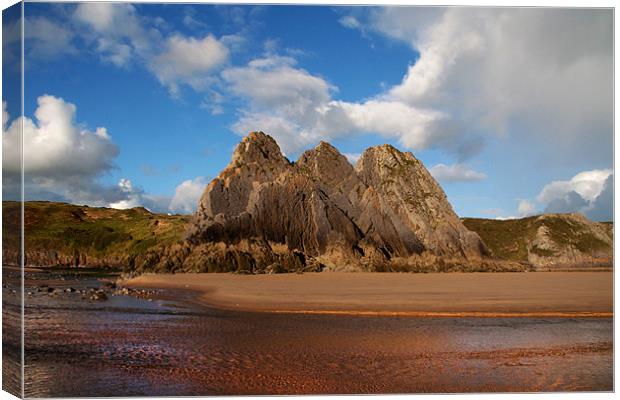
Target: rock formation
<point>569,240</point>
<point>265,213</point>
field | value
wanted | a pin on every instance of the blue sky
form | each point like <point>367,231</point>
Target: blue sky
<point>510,109</point>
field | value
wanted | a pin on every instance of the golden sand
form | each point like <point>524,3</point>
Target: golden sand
<point>542,294</point>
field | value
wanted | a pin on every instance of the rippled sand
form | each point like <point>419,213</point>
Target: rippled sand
<point>177,346</point>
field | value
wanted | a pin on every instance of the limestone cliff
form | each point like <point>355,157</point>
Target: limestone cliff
<point>265,213</point>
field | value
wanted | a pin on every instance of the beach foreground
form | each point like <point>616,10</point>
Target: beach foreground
<point>168,341</point>
<point>542,294</point>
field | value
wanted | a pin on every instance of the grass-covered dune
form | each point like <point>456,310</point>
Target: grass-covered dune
<point>67,234</point>
<point>60,234</point>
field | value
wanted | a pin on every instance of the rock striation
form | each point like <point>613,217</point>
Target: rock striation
<point>265,213</point>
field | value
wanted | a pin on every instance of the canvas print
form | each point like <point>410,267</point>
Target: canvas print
<point>222,199</point>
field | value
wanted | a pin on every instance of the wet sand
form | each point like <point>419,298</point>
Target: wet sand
<point>175,345</point>
<point>541,294</point>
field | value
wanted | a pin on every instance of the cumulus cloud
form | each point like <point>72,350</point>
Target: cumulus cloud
<point>587,184</point>
<point>188,60</point>
<point>64,161</point>
<point>589,192</point>
<point>185,200</point>
<point>283,100</point>
<point>102,16</point>
<point>456,173</point>
<point>57,146</point>
<point>116,32</point>
<point>274,82</point>
<point>298,109</point>
<point>187,195</point>
<point>123,37</point>
<point>131,197</point>
<point>527,71</point>
<point>480,72</point>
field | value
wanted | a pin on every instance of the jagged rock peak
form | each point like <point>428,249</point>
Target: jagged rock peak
<point>258,147</point>
<point>324,146</point>
<point>324,162</point>
<point>386,154</point>
<point>321,207</point>
<point>385,161</point>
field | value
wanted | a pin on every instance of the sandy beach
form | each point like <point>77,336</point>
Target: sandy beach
<point>168,343</point>
<point>541,294</point>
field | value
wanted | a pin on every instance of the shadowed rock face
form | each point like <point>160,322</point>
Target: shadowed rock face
<point>325,211</point>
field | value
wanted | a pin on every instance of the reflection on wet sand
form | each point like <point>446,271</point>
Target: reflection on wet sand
<point>126,346</point>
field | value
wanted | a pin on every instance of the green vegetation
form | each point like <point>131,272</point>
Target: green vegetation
<point>65,230</point>
<point>509,239</point>
<point>66,235</point>
<point>565,232</point>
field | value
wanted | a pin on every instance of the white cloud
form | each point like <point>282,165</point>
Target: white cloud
<point>526,208</point>
<point>298,109</point>
<point>455,173</point>
<point>588,184</point>
<point>119,54</point>
<point>349,21</point>
<point>116,31</point>
<point>101,16</point>
<point>64,161</point>
<point>481,72</point>
<point>589,192</point>
<point>44,38</point>
<point>131,197</point>
<point>188,60</point>
<point>273,82</point>
<point>283,100</point>
<point>187,195</point>
<point>542,73</point>
<point>123,37</point>
<point>57,146</point>
<point>125,204</point>
<point>125,185</point>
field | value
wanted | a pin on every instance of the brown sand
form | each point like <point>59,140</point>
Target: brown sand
<point>544,294</point>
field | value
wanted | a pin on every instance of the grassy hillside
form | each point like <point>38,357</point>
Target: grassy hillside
<point>66,234</point>
<point>559,236</point>
<point>62,232</point>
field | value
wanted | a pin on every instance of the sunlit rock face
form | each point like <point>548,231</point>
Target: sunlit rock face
<point>263,212</point>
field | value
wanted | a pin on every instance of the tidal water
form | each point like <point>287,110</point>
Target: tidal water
<point>170,345</point>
